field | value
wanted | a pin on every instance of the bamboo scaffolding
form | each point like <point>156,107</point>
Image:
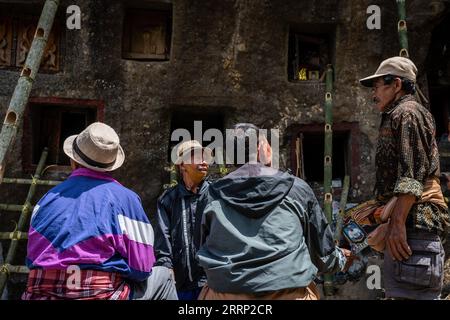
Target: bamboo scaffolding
<point>30,181</point>
<point>328,165</point>
<point>402,28</point>
<point>23,88</point>
<point>17,234</point>
<point>403,39</point>
<point>17,269</point>
<point>300,172</point>
<point>12,207</point>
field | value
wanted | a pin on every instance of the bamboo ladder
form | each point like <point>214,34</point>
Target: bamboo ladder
<point>403,40</point>
<point>19,232</point>
<point>11,123</point>
<point>328,287</point>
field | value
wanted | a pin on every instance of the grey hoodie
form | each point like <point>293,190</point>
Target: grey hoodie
<point>262,230</point>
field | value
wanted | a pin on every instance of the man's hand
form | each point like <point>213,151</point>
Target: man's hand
<point>396,241</point>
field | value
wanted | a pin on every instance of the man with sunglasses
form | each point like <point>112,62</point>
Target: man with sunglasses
<point>407,162</point>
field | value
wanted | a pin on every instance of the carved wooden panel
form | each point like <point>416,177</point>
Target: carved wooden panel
<point>25,35</point>
<point>6,38</point>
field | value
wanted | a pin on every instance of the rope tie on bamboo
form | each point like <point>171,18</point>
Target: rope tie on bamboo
<point>4,269</point>
<point>15,235</point>
<point>34,180</point>
<point>26,207</point>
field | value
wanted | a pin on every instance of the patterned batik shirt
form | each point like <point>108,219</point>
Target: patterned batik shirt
<point>406,156</point>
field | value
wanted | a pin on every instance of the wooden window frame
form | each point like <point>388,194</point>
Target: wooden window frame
<point>295,37</point>
<point>127,54</point>
<point>354,144</point>
<point>27,138</point>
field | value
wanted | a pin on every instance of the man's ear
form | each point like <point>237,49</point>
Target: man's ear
<point>397,85</point>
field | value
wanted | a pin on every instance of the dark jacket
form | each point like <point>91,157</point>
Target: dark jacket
<point>174,245</point>
<point>263,230</point>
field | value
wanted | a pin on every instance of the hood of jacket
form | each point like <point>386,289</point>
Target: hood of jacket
<point>253,190</point>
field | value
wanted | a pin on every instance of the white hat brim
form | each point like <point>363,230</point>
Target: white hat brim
<point>68,150</point>
<point>204,149</point>
<point>368,81</point>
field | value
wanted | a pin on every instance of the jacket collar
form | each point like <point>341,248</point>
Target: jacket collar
<point>85,172</point>
<point>185,192</point>
<point>394,104</point>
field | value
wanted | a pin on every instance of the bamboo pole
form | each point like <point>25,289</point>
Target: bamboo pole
<point>300,172</point>
<point>173,177</point>
<point>343,202</point>
<point>223,170</point>
<point>13,235</point>
<point>402,28</point>
<point>328,165</point>
<point>23,219</point>
<point>18,269</point>
<point>30,181</point>
<point>23,88</point>
<point>403,39</point>
<point>11,207</point>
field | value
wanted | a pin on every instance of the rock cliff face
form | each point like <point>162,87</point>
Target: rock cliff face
<point>221,62</point>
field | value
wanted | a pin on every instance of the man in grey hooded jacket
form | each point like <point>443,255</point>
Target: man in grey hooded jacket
<point>263,233</point>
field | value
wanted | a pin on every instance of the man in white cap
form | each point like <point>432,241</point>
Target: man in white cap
<point>407,162</point>
<point>174,238</point>
<point>89,236</point>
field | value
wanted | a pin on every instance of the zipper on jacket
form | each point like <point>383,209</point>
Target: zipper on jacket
<point>186,239</point>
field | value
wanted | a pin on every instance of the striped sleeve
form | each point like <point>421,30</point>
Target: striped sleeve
<point>137,241</point>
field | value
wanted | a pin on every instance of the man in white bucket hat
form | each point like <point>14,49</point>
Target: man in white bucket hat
<point>91,225</point>
<point>174,231</point>
<point>407,162</point>
<point>96,148</point>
